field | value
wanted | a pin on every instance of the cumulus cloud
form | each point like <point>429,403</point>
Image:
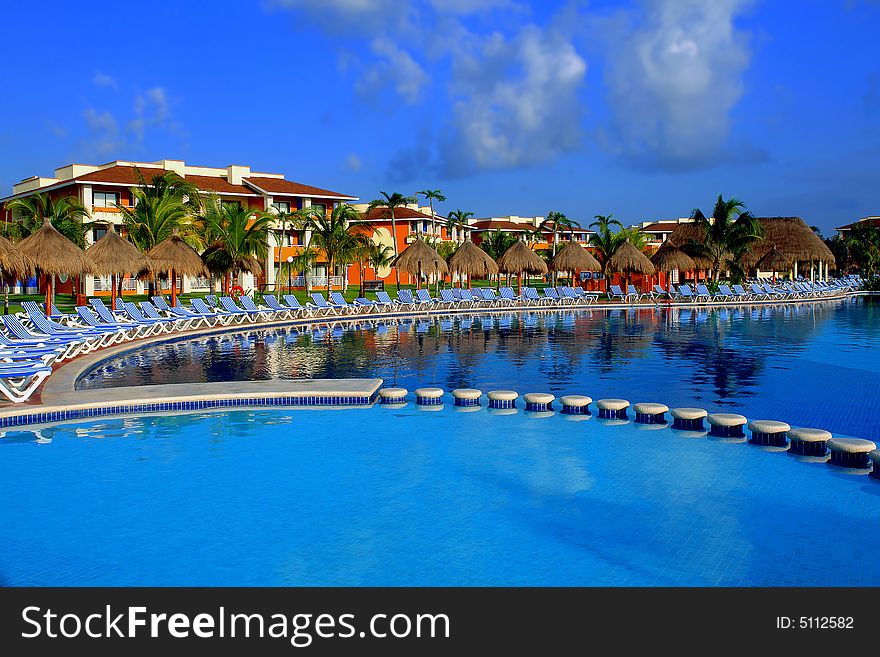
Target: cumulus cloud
<point>151,109</point>
<point>104,80</point>
<point>103,128</point>
<point>673,78</point>
<point>516,103</point>
<point>108,134</point>
<point>394,66</point>
<point>346,15</point>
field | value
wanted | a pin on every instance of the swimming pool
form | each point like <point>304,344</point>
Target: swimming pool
<point>380,496</point>
<point>807,364</point>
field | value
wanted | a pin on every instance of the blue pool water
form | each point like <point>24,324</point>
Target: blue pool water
<point>380,496</point>
<point>810,364</point>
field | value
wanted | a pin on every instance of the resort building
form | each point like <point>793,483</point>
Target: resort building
<point>659,231</point>
<point>102,189</point>
<point>864,222</point>
<point>524,226</point>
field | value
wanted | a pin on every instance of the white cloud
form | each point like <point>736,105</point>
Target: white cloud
<point>342,15</point>
<point>353,162</point>
<point>103,80</point>
<point>395,66</point>
<point>673,79</point>
<point>110,135</point>
<point>104,134</point>
<point>473,6</point>
<point>516,102</point>
<point>151,109</point>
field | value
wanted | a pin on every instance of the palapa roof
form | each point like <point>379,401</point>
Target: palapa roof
<point>670,258</point>
<point>520,259</point>
<point>574,257</point>
<point>14,265</point>
<point>419,257</point>
<point>792,238</point>
<point>54,254</point>
<point>471,260</point>
<point>684,237</point>
<point>174,253</point>
<point>113,254</point>
<point>773,260</point>
<point>628,258</point>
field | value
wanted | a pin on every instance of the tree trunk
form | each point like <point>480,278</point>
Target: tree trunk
<point>5,299</point>
<point>280,244</point>
<point>329,273</point>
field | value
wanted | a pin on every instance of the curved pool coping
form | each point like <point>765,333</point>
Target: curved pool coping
<point>60,400</point>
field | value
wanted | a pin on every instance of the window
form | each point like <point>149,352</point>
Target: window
<point>283,206</point>
<point>105,199</point>
<point>98,233</point>
<point>320,208</point>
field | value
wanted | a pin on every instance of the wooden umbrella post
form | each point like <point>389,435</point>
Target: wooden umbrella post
<point>113,293</point>
<point>173,288</point>
<point>48,303</point>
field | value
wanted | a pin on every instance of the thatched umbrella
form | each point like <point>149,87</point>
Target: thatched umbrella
<point>175,256</point>
<point>793,238</point>
<point>774,260</point>
<point>687,237</point>
<point>519,259</point>
<point>668,258</point>
<point>54,255</point>
<point>114,255</point>
<point>14,265</point>
<point>420,258</point>
<point>574,258</point>
<point>471,260</point>
<point>628,259</point>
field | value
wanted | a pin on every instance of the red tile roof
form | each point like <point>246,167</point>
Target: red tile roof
<point>499,224</point>
<point>660,227</point>
<point>867,221</point>
<point>119,175</point>
<point>399,213</point>
<point>281,186</point>
<point>219,185</point>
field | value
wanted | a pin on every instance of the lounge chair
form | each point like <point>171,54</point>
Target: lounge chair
<point>405,298</point>
<point>685,293</point>
<point>489,296</point>
<point>38,345</point>
<point>292,302</point>
<point>122,331</point>
<point>320,303</point>
<point>275,306</point>
<point>633,293</point>
<point>531,297</point>
<point>230,307</point>
<point>703,292</point>
<point>448,299</point>
<point>251,306</point>
<point>424,297</point>
<point>141,329</point>
<point>182,313</point>
<point>96,337</point>
<point>469,297</point>
<point>614,292</point>
<point>339,301</point>
<point>385,301</point>
<point>741,292</point>
<point>508,297</point>
<point>201,308</point>
<point>660,293</point>
<point>167,323</point>
<point>20,379</point>
<point>552,295</point>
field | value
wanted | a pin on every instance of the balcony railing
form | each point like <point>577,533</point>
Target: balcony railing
<point>105,284</point>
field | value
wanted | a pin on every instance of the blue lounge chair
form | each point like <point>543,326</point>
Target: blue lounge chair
<point>260,313</point>
<point>233,309</point>
<point>339,301</point>
<point>508,297</point>
<point>448,298</point>
<point>321,304</point>
<point>552,296</point>
<point>96,337</point>
<point>614,292</point>
<point>74,345</point>
<point>685,293</point>
<point>703,292</point>
<point>141,329</point>
<point>405,298</point>
<point>167,323</point>
<point>531,297</point>
<point>470,297</point>
<point>280,310</point>
<point>385,301</point>
<point>123,331</point>
<point>182,313</point>
<point>291,301</point>
<point>489,296</point>
<point>633,294</point>
<point>20,379</point>
<point>424,297</point>
<point>201,308</point>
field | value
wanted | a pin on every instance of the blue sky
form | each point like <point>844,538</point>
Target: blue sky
<point>646,108</point>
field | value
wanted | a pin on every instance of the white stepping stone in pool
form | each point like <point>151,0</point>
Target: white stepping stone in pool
<point>502,398</point>
<point>612,408</point>
<point>650,413</point>
<point>688,418</point>
<point>769,433</point>
<point>429,396</point>
<point>467,396</point>
<point>576,404</point>
<point>538,401</point>
<point>809,442</point>
<point>850,452</point>
<point>726,425</point>
<point>392,395</point>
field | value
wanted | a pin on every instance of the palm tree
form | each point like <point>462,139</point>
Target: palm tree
<point>66,214</point>
<point>333,235</point>
<point>497,242</point>
<point>457,219</point>
<point>863,248</point>
<point>730,230</point>
<point>297,220</point>
<point>555,221</point>
<point>432,195</point>
<point>241,242</point>
<point>605,241</point>
<point>165,203</point>
<point>371,254</point>
<point>392,202</point>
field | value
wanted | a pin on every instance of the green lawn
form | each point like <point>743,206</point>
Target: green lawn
<point>65,302</point>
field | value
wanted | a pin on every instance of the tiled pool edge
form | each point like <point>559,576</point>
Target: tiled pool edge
<point>194,397</point>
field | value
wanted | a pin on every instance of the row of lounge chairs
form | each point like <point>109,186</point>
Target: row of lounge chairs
<point>31,343</point>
